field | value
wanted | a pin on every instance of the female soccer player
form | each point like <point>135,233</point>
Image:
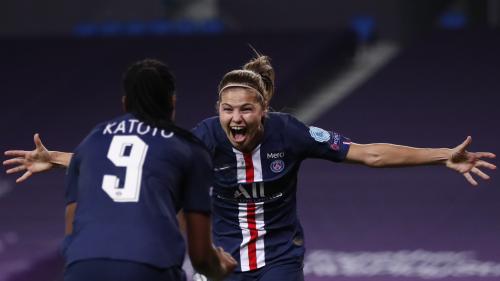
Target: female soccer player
<point>256,156</point>
<point>126,182</point>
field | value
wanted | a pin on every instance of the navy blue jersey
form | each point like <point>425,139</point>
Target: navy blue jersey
<point>129,180</point>
<point>254,194</point>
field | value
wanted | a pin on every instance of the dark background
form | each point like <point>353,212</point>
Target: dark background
<point>61,66</point>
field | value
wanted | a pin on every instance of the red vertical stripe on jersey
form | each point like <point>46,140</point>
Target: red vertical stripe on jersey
<point>252,244</point>
<point>254,234</point>
<point>248,166</point>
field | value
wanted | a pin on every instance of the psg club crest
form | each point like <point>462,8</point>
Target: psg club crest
<point>319,134</point>
<point>277,166</point>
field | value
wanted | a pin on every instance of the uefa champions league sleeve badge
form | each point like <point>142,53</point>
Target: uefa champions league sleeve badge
<point>319,134</point>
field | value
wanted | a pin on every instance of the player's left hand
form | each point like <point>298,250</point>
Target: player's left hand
<point>466,162</point>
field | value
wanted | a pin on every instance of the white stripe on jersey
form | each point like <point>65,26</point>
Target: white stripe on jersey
<point>240,166</point>
<point>260,224</point>
<point>252,247</point>
<point>257,165</point>
<point>241,172</point>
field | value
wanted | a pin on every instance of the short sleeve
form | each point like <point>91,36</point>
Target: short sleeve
<point>196,191</point>
<point>314,142</point>
<point>73,171</point>
<point>72,174</point>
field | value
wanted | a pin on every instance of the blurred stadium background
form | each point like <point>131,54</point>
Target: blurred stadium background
<point>416,72</point>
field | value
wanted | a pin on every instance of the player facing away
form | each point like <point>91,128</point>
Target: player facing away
<point>126,182</point>
<point>256,156</point>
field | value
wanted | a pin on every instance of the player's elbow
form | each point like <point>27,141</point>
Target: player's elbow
<point>374,160</point>
<point>371,156</point>
<point>366,154</point>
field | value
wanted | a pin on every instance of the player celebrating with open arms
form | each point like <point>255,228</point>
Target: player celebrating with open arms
<point>256,156</point>
<point>126,182</point>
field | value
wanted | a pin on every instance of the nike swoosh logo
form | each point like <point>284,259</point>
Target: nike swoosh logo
<point>222,168</point>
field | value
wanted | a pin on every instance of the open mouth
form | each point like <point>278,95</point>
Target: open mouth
<point>238,133</point>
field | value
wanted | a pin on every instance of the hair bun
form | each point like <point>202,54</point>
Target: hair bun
<point>262,66</point>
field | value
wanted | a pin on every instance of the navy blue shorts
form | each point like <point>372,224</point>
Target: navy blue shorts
<point>113,270</point>
<point>288,271</point>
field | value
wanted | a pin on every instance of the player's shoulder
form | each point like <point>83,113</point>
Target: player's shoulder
<point>207,128</point>
<point>113,122</point>
<point>191,148</point>
<point>282,120</point>
<point>109,125</point>
<point>209,122</point>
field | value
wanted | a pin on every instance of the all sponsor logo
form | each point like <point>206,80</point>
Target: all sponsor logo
<point>319,134</point>
<point>277,166</point>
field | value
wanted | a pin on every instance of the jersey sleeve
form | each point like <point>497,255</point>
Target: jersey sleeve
<point>202,132</point>
<point>72,174</point>
<point>314,142</point>
<point>198,182</point>
<point>73,171</point>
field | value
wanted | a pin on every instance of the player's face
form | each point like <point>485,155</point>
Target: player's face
<point>241,115</point>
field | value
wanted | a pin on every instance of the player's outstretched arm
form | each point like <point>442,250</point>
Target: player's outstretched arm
<point>35,161</point>
<point>391,155</point>
<point>214,263</point>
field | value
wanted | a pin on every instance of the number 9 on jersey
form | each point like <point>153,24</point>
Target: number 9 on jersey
<point>129,152</point>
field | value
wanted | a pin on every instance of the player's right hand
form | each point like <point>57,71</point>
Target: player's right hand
<point>34,161</point>
<point>227,263</point>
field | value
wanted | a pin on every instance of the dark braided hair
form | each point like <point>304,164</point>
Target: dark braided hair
<point>149,89</point>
